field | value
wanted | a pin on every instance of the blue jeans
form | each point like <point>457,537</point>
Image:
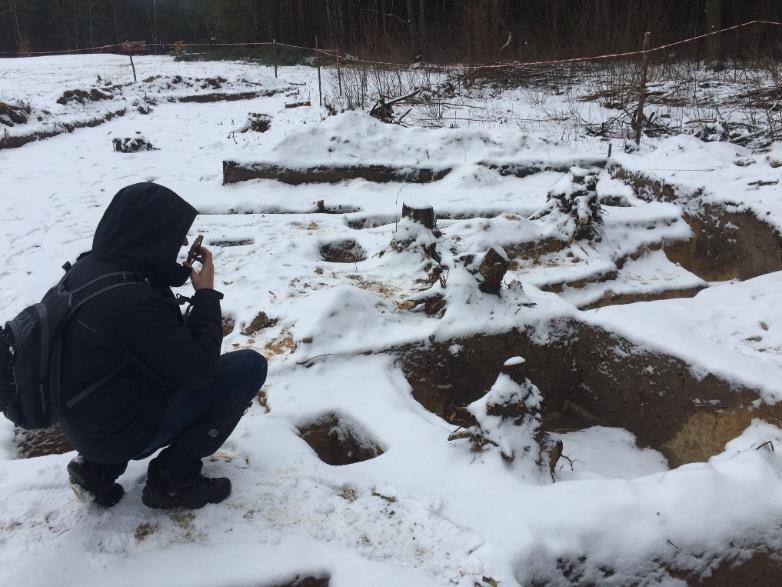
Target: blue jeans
<point>238,377</point>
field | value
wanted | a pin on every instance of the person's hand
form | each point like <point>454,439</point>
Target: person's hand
<point>205,278</point>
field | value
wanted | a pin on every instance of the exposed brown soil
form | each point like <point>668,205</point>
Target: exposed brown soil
<point>228,325</point>
<point>645,187</point>
<point>15,141</point>
<point>343,251</point>
<point>757,566</point>
<point>11,115</point>
<point>336,441</point>
<point>232,243</point>
<point>598,277</point>
<point>144,530</point>
<point>612,299</point>
<point>762,569</point>
<point>727,245</point>
<point>533,249</point>
<point>257,122</point>
<point>39,443</point>
<point>589,376</point>
<point>234,172</point>
<point>83,96</point>
<point>260,322</point>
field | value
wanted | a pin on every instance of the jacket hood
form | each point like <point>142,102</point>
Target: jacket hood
<point>144,226</point>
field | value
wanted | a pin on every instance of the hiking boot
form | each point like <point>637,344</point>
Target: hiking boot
<point>193,495</point>
<point>94,481</point>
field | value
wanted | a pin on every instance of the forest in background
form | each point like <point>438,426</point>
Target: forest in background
<point>399,30</point>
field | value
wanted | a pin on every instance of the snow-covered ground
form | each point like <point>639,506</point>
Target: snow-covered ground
<point>427,511</point>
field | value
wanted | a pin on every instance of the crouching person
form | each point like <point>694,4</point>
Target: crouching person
<point>138,377</point>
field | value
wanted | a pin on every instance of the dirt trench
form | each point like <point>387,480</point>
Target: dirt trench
<point>589,376</point>
<point>234,172</point>
<point>762,568</point>
<point>727,245</point>
<point>16,141</point>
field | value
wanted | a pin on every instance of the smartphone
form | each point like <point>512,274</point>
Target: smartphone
<point>195,249</point>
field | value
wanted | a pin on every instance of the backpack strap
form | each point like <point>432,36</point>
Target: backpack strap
<point>84,294</point>
<point>88,391</point>
<point>102,284</point>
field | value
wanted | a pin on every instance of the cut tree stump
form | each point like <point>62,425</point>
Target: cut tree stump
<point>423,216</point>
<point>492,269</point>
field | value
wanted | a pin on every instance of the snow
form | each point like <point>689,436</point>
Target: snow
<point>427,511</point>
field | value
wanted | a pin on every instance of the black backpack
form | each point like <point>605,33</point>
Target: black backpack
<point>31,351</point>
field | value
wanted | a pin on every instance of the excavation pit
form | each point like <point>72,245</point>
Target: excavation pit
<point>339,440</point>
<point>589,376</point>
<point>727,245</point>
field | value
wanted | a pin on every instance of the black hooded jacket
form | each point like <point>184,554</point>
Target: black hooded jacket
<point>138,327</point>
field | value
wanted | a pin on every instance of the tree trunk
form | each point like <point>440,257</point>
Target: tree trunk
<point>714,23</point>
<point>17,26</point>
<point>114,17</point>
<point>421,25</point>
<point>90,24</point>
<point>411,27</point>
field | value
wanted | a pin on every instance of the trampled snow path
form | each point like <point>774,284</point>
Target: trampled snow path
<point>427,511</point>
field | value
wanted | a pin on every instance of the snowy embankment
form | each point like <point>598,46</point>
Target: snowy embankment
<point>425,511</point>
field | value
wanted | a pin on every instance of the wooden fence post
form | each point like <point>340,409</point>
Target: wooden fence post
<point>639,115</point>
<point>317,62</point>
<point>130,54</point>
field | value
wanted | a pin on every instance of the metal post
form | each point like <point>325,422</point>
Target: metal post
<point>274,55</point>
<point>317,62</point>
<point>639,115</point>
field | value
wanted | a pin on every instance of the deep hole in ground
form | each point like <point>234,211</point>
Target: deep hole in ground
<point>589,376</point>
<point>727,245</point>
<point>343,251</point>
<point>339,440</point>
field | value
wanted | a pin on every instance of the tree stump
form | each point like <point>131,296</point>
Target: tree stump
<point>423,216</point>
<point>492,269</point>
<point>515,368</point>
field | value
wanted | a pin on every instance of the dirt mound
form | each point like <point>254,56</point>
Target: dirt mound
<point>587,377</point>
<point>343,251</point>
<point>260,322</point>
<point>83,96</point>
<point>11,115</point>
<point>338,440</point>
<point>132,145</point>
